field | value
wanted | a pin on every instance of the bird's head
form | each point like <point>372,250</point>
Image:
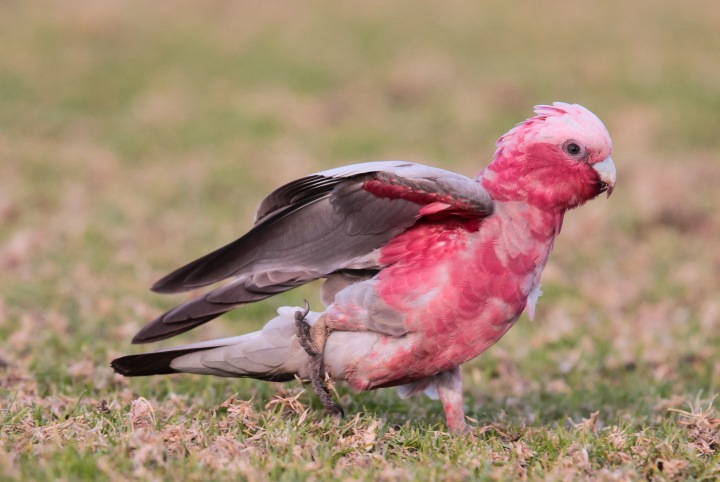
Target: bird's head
<point>558,159</point>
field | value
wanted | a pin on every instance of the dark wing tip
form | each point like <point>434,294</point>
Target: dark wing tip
<point>163,287</point>
<point>204,271</point>
<point>225,262</point>
<point>175,282</point>
<point>158,330</point>
<point>168,286</point>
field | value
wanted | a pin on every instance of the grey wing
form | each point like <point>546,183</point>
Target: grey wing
<point>326,223</point>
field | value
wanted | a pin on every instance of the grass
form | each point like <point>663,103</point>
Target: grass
<point>135,137</point>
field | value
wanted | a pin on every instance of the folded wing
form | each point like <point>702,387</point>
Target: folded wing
<point>325,223</point>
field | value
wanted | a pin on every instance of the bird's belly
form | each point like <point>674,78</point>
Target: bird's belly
<point>448,307</point>
<point>448,322</point>
<point>395,361</point>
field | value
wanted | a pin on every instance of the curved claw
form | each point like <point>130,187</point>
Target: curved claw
<point>335,409</point>
<point>307,309</point>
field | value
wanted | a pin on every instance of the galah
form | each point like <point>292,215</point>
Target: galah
<point>424,269</point>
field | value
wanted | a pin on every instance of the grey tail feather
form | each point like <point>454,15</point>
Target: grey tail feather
<point>156,363</point>
<point>273,353</point>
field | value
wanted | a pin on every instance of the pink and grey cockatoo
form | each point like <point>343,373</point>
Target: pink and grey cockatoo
<point>425,269</point>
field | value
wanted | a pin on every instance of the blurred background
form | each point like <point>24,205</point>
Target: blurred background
<point>136,136</point>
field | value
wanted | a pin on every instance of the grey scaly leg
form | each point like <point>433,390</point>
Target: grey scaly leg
<point>313,340</point>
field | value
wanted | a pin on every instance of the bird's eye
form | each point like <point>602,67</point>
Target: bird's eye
<point>572,148</point>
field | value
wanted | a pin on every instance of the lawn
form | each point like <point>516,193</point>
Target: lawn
<point>136,136</point>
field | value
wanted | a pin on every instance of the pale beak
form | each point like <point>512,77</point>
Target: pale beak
<point>606,170</point>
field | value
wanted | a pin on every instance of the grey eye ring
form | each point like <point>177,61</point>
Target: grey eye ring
<point>573,148</point>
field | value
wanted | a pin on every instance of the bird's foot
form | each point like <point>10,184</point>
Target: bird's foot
<point>313,340</point>
<point>303,329</point>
